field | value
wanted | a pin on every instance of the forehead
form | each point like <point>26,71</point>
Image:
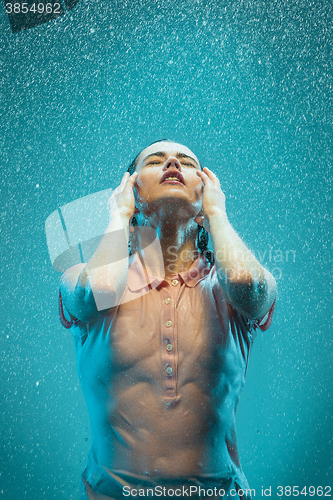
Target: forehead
<point>169,148</point>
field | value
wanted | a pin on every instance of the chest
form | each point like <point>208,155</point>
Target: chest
<point>171,332</point>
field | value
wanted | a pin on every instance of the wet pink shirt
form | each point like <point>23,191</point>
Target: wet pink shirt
<point>162,374</point>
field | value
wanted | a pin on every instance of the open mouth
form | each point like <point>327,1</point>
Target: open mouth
<point>173,177</point>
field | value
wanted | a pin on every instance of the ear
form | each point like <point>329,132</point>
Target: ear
<point>200,218</point>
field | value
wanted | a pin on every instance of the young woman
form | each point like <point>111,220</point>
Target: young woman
<point>163,336</point>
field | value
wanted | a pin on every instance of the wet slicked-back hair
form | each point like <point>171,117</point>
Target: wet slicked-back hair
<point>202,236</point>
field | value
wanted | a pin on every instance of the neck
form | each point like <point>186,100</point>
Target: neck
<point>177,247</point>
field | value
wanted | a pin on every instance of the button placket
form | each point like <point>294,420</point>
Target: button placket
<point>169,349</point>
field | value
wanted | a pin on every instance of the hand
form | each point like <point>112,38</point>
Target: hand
<point>213,200</point>
<point>123,197</point>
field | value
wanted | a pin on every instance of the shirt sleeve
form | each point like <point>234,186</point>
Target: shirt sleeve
<point>266,321</point>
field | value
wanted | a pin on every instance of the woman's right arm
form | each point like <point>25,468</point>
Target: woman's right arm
<point>88,289</point>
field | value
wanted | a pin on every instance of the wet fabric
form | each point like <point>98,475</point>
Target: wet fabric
<point>103,484</point>
<point>162,375</point>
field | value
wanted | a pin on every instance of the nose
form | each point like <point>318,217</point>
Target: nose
<point>172,162</point>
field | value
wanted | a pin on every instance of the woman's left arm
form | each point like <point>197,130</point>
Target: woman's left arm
<point>245,283</point>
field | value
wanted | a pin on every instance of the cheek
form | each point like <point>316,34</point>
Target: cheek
<point>198,189</point>
<point>142,189</point>
<point>145,178</point>
<point>147,181</point>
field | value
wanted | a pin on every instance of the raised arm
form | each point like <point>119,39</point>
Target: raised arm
<point>88,289</point>
<point>245,283</point>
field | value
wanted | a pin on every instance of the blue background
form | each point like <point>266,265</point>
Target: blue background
<point>247,86</point>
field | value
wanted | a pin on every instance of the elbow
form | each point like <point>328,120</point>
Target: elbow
<point>252,296</point>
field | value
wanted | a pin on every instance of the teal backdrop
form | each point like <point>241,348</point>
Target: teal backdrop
<point>247,85</point>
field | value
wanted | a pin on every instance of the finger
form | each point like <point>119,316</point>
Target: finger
<point>123,180</point>
<point>211,174</point>
<point>131,180</point>
<point>203,176</point>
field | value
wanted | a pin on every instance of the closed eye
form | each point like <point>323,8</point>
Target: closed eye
<point>189,165</point>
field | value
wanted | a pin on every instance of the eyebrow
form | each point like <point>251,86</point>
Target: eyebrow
<point>163,155</point>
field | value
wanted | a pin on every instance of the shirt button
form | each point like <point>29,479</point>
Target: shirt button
<point>169,347</point>
<point>169,370</point>
<point>168,300</point>
<point>174,282</point>
<point>168,323</point>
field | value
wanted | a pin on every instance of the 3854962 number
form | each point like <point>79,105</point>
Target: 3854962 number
<point>38,8</point>
<point>311,491</point>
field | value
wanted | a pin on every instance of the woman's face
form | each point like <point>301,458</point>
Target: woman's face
<point>167,183</point>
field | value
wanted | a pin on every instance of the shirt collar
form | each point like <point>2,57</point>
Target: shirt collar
<point>138,277</point>
<point>198,271</point>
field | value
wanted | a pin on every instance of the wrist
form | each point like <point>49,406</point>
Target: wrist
<point>125,217</point>
<point>125,212</point>
<point>118,221</point>
<point>218,214</point>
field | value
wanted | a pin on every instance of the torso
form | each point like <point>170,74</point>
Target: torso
<point>146,420</point>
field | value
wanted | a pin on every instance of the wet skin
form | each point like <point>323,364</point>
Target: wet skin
<point>171,200</point>
<point>136,426</point>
